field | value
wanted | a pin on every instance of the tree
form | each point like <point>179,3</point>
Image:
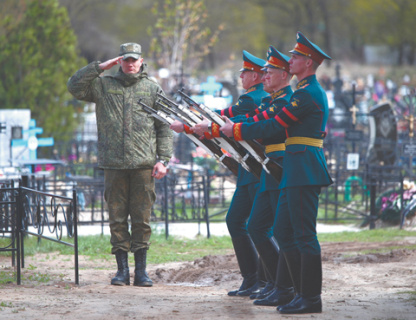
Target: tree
<point>37,56</point>
<point>180,34</point>
<point>387,22</point>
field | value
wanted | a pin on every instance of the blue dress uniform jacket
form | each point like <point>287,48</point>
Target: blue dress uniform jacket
<point>270,106</point>
<point>275,148</point>
<point>247,182</point>
<point>247,102</point>
<point>262,215</point>
<point>304,120</point>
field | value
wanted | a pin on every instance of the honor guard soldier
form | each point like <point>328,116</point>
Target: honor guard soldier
<point>305,173</point>
<point>245,192</point>
<point>279,288</point>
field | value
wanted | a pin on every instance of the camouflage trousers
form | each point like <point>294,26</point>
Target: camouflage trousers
<point>129,193</point>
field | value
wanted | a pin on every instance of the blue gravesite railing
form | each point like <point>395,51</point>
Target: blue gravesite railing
<point>25,211</point>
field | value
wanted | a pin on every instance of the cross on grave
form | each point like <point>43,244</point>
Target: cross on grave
<point>33,142</point>
<point>354,111</point>
<point>411,119</point>
<point>410,101</point>
<point>211,87</point>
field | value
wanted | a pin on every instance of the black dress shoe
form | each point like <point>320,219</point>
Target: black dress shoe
<point>294,300</point>
<point>249,291</point>
<point>277,297</point>
<point>264,292</point>
<point>248,283</point>
<point>254,294</point>
<point>303,305</point>
<point>232,293</point>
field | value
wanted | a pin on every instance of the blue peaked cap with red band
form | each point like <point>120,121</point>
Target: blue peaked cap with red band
<point>309,49</point>
<point>251,62</point>
<point>276,59</point>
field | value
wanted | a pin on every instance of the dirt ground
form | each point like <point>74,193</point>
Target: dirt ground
<point>355,286</point>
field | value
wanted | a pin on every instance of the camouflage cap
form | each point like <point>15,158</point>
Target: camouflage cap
<point>130,50</point>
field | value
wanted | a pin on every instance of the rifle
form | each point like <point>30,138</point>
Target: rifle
<point>185,112</point>
<point>206,144</point>
<point>182,114</point>
<point>253,147</point>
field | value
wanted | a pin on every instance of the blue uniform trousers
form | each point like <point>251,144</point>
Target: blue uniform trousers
<point>262,217</point>
<point>240,209</point>
<point>295,225</point>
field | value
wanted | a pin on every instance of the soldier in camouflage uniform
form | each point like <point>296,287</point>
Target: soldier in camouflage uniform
<point>133,149</point>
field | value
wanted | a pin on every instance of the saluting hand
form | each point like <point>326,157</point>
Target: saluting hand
<point>110,63</point>
<point>227,128</point>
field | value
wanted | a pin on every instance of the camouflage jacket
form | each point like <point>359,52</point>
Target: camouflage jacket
<point>128,137</point>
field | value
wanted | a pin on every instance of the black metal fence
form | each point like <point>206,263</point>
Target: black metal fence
<point>25,211</point>
<point>186,195</point>
<point>370,192</point>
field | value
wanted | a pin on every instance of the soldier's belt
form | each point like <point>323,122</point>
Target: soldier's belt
<point>306,141</point>
<point>275,147</point>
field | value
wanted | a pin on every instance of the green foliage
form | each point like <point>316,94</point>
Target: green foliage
<point>387,22</point>
<point>37,56</point>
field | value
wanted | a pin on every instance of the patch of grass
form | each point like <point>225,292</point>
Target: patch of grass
<point>376,235</point>
<point>7,277</point>
<point>5,305</point>
<point>388,249</point>
<point>175,249</point>
<point>412,297</point>
<point>180,249</point>
<point>37,277</point>
<point>31,267</point>
<point>161,250</point>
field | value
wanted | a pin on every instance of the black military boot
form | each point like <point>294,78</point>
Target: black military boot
<point>141,279</point>
<point>311,286</point>
<point>259,285</point>
<point>269,255</point>
<point>266,281</point>
<point>247,258</point>
<point>293,261</point>
<point>283,291</point>
<point>122,277</point>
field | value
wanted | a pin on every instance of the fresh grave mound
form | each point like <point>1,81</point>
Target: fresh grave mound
<point>206,271</point>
